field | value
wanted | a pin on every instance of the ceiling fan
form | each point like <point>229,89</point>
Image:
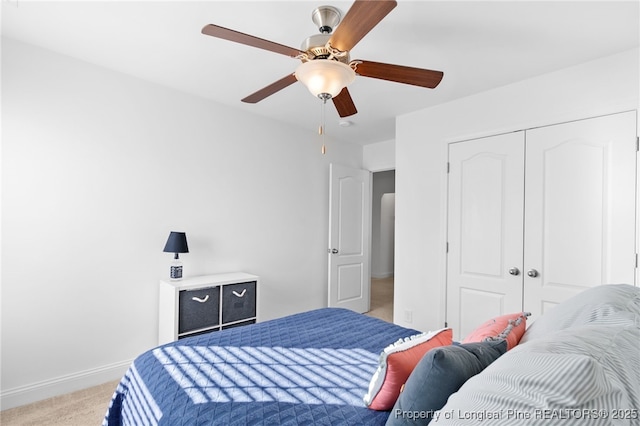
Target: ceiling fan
<point>326,67</point>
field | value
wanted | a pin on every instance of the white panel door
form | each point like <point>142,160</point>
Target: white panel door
<point>485,230</point>
<point>349,235</point>
<point>580,208</point>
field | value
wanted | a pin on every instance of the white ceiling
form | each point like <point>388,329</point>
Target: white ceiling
<point>478,45</point>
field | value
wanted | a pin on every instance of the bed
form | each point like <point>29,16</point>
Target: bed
<point>579,363</point>
<point>310,368</point>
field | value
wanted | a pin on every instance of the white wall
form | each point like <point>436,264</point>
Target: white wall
<point>97,168</point>
<point>600,87</point>
<point>379,156</point>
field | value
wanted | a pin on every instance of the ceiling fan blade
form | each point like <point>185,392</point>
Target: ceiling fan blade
<point>399,73</point>
<point>359,20</point>
<point>238,37</point>
<point>344,104</point>
<point>270,89</point>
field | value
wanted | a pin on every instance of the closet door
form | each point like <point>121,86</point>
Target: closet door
<point>484,261</point>
<point>579,208</point>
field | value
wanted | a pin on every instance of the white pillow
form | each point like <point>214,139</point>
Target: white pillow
<point>614,304</point>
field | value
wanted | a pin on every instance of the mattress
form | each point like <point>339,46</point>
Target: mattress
<point>311,368</point>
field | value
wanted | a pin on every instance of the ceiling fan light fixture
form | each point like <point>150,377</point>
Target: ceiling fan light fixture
<point>323,76</point>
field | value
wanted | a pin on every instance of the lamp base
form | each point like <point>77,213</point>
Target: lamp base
<point>176,270</point>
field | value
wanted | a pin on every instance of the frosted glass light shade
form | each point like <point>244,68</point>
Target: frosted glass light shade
<point>325,76</point>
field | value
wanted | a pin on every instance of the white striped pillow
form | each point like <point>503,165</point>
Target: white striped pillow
<point>592,370</point>
<point>613,304</point>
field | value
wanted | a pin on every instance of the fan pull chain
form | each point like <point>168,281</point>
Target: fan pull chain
<point>321,128</point>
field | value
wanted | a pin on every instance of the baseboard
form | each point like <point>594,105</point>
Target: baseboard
<point>34,392</point>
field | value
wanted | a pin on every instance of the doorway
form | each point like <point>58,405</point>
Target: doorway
<point>382,244</point>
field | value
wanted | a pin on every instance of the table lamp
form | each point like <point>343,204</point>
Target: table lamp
<point>176,243</point>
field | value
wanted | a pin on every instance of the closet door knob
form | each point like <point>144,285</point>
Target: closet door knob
<point>532,273</point>
<point>514,271</point>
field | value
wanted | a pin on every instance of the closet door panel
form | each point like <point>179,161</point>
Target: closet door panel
<point>484,230</point>
<point>579,208</point>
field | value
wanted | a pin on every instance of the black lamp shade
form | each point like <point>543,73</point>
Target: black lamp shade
<point>176,243</point>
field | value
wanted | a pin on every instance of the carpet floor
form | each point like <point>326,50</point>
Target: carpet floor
<point>82,408</point>
<point>382,299</point>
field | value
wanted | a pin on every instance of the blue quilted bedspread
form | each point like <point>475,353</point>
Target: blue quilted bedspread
<point>311,368</point>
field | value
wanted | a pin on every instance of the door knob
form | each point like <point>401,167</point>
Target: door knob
<point>333,251</point>
<point>532,273</point>
<point>514,271</point>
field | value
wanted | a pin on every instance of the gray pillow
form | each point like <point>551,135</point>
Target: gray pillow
<point>441,372</point>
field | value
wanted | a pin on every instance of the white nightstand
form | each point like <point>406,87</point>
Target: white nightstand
<point>206,303</point>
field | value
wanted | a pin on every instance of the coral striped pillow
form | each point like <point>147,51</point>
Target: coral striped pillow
<point>397,361</point>
<point>510,327</point>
